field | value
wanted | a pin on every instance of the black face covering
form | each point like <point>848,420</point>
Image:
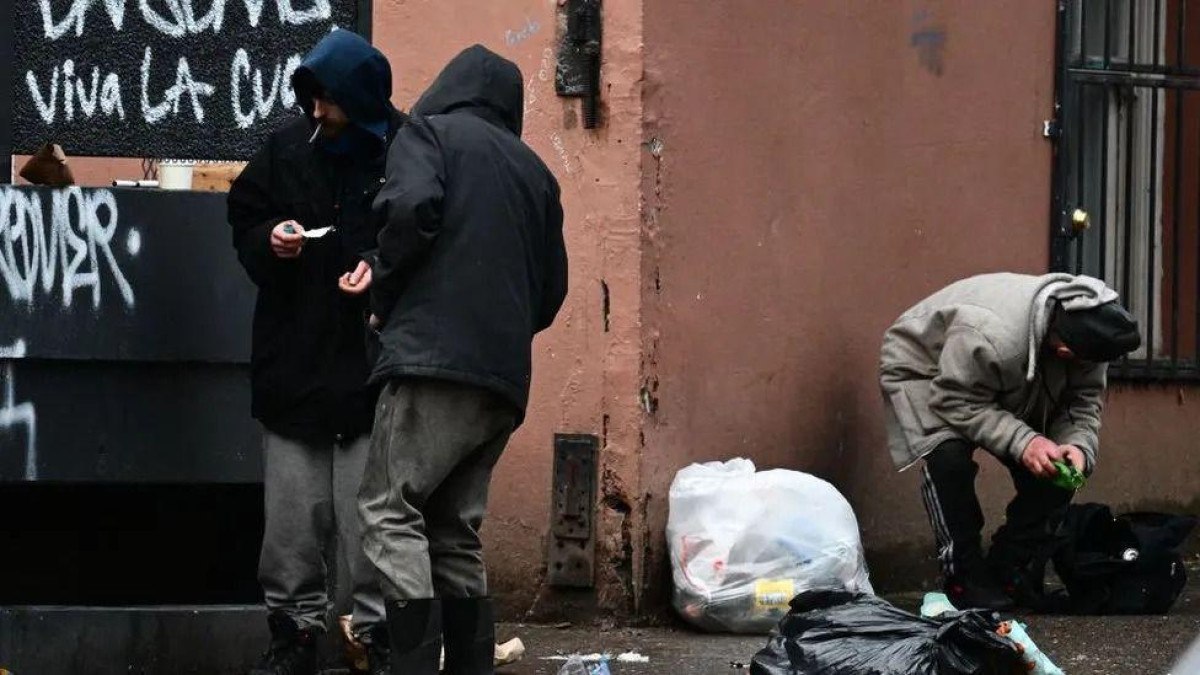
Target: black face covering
<point>1098,334</point>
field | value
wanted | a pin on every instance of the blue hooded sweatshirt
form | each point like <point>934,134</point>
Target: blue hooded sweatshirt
<point>357,77</point>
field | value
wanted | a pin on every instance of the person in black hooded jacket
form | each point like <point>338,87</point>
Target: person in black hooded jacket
<point>309,362</point>
<point>471,265</point>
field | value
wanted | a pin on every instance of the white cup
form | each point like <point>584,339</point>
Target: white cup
<point>175,175</point>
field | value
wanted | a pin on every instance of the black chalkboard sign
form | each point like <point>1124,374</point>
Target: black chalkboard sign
<point>6,59</point>
<point>186,79</point>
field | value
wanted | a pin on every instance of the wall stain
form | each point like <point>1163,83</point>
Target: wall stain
<point>928,38</point>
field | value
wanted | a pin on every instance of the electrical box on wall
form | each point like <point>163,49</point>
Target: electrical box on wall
<point>578,73</point>
<point>572,556</point>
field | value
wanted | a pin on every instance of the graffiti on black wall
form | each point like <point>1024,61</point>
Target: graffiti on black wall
<point>163,78</point>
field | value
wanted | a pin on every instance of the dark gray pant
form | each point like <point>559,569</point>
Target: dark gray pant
<point>948,488</point>
<point>311,492</point>
<point>425,490</point>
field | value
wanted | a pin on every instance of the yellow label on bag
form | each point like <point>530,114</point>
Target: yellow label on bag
<point>774,594</point>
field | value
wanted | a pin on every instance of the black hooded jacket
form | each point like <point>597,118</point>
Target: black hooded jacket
<point>309,364</point>
<point>471,256</point>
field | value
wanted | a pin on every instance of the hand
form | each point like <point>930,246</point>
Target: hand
<point>286,244</point>
<point>1074,455</point>
<point>373,323</point>
<point>1040,455</point>
<point>354,283</point>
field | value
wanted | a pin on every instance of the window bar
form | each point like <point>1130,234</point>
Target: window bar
<point>1176,218</point>
<point>1196,328</point>
<point>1083,45</point>
<point>1152,206</point>
<point>1157,34</point>
<point>1059,175</point>
<point>1132,33</point>
<point>1127,250</point>
<point>1107,31</point>
<point>1104,215</point>
<point>1080,170</point>
<point>1128,103</point>
<point>1151,225</point>
<point>1181,37</point>
<point>1079,253</point>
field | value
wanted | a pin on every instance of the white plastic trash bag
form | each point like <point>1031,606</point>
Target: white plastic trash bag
<point>744,543</point>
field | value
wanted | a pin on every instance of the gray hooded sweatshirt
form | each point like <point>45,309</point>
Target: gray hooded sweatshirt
<point>967,363</point>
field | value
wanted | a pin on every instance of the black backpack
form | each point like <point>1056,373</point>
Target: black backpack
<point>1128,564</point>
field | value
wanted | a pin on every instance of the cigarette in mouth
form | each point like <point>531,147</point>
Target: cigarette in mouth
<point>315,132</point>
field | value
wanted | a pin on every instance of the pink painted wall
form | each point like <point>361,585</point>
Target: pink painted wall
<point>823,166</point>
<point>585,366</point>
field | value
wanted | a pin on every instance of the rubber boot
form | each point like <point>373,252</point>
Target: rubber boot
<point>469,632</point>
<point>415,635</point>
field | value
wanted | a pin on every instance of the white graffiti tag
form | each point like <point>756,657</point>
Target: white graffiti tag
<point>14,415</point>
<point>180,18</point>
<point>69,245</point>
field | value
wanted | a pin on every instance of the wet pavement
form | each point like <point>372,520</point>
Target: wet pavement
<point>1079,645</point>
<point>155,640</point>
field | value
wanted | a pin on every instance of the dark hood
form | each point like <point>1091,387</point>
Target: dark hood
<point>356,76</point>
<point>479,79</point>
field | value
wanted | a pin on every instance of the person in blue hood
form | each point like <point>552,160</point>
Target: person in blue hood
<point>309,361</point>
<point>471,265</point>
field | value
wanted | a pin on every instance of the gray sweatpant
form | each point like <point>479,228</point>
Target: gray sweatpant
<point>311,492</point>
<point>425,490</point>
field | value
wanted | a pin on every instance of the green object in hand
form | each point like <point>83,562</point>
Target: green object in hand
<point>1068,477</point>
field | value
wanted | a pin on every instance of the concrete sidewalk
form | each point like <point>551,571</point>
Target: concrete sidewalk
<point>225,640</point>
<point>1079,645</point>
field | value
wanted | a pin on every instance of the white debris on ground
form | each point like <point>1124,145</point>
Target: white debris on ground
<point>625,657</point>
<point>582,657</point>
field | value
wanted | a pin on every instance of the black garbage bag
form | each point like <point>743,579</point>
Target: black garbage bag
<point>1127,564</point>
<point>842,633</point>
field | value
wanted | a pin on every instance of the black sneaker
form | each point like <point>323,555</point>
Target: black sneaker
<point>293,650</point>
<point>1021,577</point>
<point>1026,588</point>
<point>966,592</point>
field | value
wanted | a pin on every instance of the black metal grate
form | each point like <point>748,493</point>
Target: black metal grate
<point>1127,163</point>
